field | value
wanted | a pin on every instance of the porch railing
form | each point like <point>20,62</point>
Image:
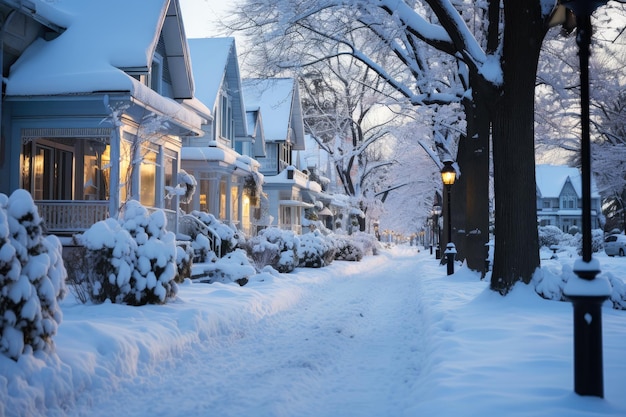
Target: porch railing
<point>190,225</point>
<point>71,216</point>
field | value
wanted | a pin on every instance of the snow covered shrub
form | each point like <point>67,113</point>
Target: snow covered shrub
<point>315,250</point>
<point>184,261</point>
<point>32,278</point>
<point>152,280</point>
<point>274,247</point>
<point>370,245</point>
<point>228,234</point>
<point>77,271</point>
<point>576,241</point>
<point>618,292</point>
<point>132,260</point>
<point>549,235</point>
<point>234,267</point>
<point>347,248</point>
<point>110,258</point>
<point>201,249</point>
<point>550,286</point>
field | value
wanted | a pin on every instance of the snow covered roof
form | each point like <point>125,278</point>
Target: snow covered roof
<point>550,180</point>
<point>215,154</point>
<point>215,65</point>
<point>92,56</point>
<point>279,101</point>
<point>300,180</point>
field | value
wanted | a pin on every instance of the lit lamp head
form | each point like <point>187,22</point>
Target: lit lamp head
<point>448,173</point>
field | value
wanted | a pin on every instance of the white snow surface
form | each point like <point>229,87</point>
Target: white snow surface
<point>391,335</point>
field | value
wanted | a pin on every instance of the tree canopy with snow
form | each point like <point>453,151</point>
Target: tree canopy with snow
<point>492,52</point>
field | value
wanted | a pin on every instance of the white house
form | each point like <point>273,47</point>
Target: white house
<point>225,177</point>
<point>559,197</point>
<point>289,190</point>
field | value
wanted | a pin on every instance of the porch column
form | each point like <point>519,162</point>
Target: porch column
<point>214,195</point>
<point>160,178</point>
<point>240,204</point>
<point>229,199</point>
<point>114,187</point>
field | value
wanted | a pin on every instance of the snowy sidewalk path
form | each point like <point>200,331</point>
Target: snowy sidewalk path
<point>349,347</point>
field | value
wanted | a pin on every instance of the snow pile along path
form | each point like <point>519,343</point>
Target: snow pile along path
<point>346,345</point>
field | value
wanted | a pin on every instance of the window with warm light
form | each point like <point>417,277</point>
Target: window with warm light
<point>147,177</point>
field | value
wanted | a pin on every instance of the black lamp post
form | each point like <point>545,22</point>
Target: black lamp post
<point>448,175</point>
<point>587,293</point>
<point>436,231</point>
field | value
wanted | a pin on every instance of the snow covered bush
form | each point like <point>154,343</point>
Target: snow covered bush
<point>550,286</point>
<point>274,247</point>
<point>201,249</point>
<point>597,241</point>
<point>552,235</point>
<point>618,292</point>
<point>32,278</point>
<point>549,236</point>
<point>184,261</point>
<point>347,248</point>
<point>370,245</point>
<point>132,260</point>
<point>234,267</point>
<point>315,250</point>
<point>228,234</point>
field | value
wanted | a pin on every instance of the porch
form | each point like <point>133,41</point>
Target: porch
<point>69,217</point>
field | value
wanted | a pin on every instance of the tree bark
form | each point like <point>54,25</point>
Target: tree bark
<point>472,193</point>
<point>516,254</point>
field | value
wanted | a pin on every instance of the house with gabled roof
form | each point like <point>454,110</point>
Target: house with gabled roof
<point>288,191</point>
<point>93,114</point>
<point>559,197</point>
<point>227,180</point>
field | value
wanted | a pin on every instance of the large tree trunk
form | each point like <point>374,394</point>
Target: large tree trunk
<point>471,194</point>
<point>516,254</point>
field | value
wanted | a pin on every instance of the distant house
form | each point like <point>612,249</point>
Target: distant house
<point>226,179</point>
<point>289,190</point>
<point>93,113</point>
<point>559,197</point>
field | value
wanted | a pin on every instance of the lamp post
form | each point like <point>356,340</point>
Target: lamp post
<point>586,292</point>
<point>437,231</point>
<point>448,175</point>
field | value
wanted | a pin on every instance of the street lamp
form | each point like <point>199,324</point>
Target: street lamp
<point>448,175</point>
<point>586,292</point>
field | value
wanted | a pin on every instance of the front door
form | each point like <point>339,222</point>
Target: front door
<point>52,172</point>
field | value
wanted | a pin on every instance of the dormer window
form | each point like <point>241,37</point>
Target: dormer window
<point>156,73</point>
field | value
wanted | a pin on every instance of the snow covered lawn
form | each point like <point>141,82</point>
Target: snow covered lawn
<point>391,335</point>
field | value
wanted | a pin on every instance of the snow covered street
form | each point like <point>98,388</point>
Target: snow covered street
<point>391,335</point>
<point>347,347</point>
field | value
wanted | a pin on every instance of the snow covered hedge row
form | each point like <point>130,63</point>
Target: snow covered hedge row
<point>554,236</point>
<point>284,251</point>
<point>550,286</point>
<point>32,278</point>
